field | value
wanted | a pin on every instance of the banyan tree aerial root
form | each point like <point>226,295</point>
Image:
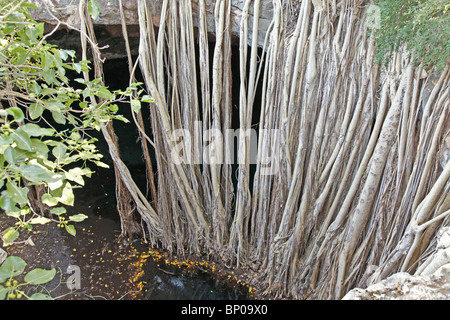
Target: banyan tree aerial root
<point>347,187</point>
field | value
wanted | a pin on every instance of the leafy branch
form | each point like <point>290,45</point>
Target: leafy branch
<point>12,268</point>
<point>45,121</point>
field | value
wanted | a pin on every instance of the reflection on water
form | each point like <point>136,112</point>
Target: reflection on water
<point>200,287</point>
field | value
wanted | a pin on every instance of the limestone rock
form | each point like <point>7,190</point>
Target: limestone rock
<point>430,282</point>
<point>403,286</point>
<point>67,12</point>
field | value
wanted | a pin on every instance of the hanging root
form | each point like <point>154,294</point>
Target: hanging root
<point>352,147</point>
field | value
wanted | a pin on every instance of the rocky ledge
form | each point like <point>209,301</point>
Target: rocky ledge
<point>430,282</point>
<point>108,23</point>
<point>403,286</point>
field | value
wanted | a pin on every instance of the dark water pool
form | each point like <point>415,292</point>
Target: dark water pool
<point>200,287</point>
<point>113,268</point>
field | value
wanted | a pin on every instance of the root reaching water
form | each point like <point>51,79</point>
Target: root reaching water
<point>355,179</point>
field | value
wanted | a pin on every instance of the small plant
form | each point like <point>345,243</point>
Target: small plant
<point>11,269</point>
<point>26,219</point>
<point>423,26</point>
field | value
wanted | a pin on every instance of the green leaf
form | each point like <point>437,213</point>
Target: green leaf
<point>22,139</point>
<point>104,93</point>
<point>17,193</point>
<point>114,108</point>
<point>40,220</point>
<point>32,33</point>
<point>77,68</point>
<point>33,172</point>
<point>5,140</point>
<point>6,203</point>
<point>86,94</point>
<point>3,292</point>
<point>71,53</point>
<point>12,267</point>
<point>58,211</point>
<point>30,5</point>
<point>40,147</point>
<point>148,99</point>
<point>5,274</point>
<point>58,117</point>
<point>9,236</point>
<point>21,55</point>
<point>33,130</point>
<point>40,296</point>
<point>47,61</point>
<point>49,200</point>
<point>55,105</point>
<point>121,118</point>
<point>17,113</point>
<point>101,164</point>
<point>48,91</point>
<point>36,89</point>
<point>49,76</point>
<point>39,174</point>
<point>63,54</point>
<point>21,155</point>
<point>16,16</point>
<point>67,196</point>
<point>75,136</point>
<point>87,172</point>
<point>40,28</point>
<point>75,175</point>
<point>93,9</point>
<point>14,212</point>
<point>8,28</point>
<point>10,155</point>
<point>59,151</point>
<point>56,185</point>
<point>136,105</point>
<point>35,111</point>
<point>40,276</point>
<point>71,230</point>
<point>78,217</point>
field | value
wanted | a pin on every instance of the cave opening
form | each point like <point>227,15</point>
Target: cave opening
<point>116,76</point>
